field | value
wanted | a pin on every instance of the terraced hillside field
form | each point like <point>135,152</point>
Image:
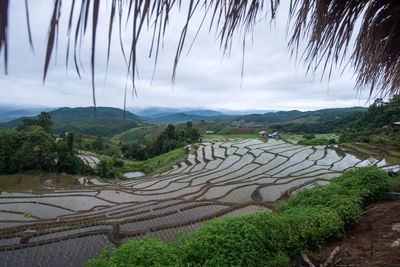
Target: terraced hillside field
<point>67,225</point>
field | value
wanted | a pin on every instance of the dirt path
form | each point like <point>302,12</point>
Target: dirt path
<point>375,241</point>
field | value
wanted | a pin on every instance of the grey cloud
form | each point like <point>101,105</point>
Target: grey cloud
<point>272,80</point>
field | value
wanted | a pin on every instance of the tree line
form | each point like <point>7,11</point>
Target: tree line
<point>33,146</point>
<point>376,124</point>
<point>167,140</point>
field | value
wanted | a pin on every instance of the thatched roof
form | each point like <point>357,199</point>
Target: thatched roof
<point>326,25</point>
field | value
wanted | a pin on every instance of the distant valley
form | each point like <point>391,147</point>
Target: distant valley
<point>110,121</point>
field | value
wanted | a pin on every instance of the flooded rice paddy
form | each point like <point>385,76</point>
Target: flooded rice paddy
<point>60,220</point>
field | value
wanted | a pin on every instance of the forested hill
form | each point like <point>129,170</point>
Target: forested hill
<point>66,115</point>
<point>379,114</point>
<point>257,120</point>
<point>317,116</point>
<point>183,117</point>
<point>108,123</point>
<point>375,125</point>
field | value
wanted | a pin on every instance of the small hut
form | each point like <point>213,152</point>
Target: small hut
<point>263,134</point>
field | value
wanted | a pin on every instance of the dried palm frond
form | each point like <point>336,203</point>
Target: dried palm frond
<point>3,31</point>
<point>326,25</point>
<point>228,17</point>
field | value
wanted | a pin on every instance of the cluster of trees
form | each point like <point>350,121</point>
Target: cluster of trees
<point>33,146</point>
<point>168,140</point>
<point>375,125</point>
<point>106,127</point>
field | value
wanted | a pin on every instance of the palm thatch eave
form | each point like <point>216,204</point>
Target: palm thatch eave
<point>327,27</point>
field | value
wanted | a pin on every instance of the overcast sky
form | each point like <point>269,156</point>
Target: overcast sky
<point>205,79</point>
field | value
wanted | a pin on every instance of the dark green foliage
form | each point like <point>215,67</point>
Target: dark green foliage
<point>375,124</point>
<point>33,147</point>
<point>140,150</point>
<point>322,125</point>
<point>106,168</point>
<point>307,228</point>
<point>37,150</point>
<point>146,252</point>
<point>98,144</point>
<point>309,219</point>
<point>368,183</point>
<point>167,140</point>
<point>320,116</point>
<point>10,142</point>
<point>67,161</point>
<point>309,136</point>
<point>315,142</point>
<point>104,127</point>
<point>80,120</point>
<point>66,115</point>
<point>43,120</point>
<point>230,242</point>
<point>333,196</point>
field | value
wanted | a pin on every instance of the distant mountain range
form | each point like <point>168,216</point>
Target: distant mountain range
<point>8,113</point>
<point>110,120</point>
<point>156,112</point>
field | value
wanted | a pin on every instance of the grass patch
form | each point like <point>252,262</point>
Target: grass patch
<point>394,153</point>
<point>227,136</point>
<point>366,151</point>
<point>393,160</point>
<point>157,164</point>
<point>315,142</point>
<point>35,172</point>
<point>320,139</point>
<point>8,181</point>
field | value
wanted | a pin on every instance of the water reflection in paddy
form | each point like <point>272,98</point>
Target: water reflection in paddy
<point>133,174</point>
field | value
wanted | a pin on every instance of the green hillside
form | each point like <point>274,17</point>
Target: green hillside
<point>182,117</point>
<point>321,115</point>
<point>375,125</point>
<point>149,131</point>
<point>108,123</point>
<point>67,115</point>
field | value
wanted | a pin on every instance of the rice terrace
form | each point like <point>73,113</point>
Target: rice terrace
<point>57,222</point>
<point>199,133</point>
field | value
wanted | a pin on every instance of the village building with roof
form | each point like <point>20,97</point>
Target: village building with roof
<point>263,134</point>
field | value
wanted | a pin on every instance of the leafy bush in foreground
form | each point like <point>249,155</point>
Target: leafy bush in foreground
<point>369,183</point>
<point>233,241</point>
<point>307,221</point>
<point>145,252</point>
<point>333,196</point>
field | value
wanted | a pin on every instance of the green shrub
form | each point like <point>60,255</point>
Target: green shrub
<point>230,242</point>
<point>106,169</point>
<point>309,228</point>
<point>332,196</point>
<point>309,136</point>
<point>369,183</point>
<point>313,142</point>
<point>145,252</point>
